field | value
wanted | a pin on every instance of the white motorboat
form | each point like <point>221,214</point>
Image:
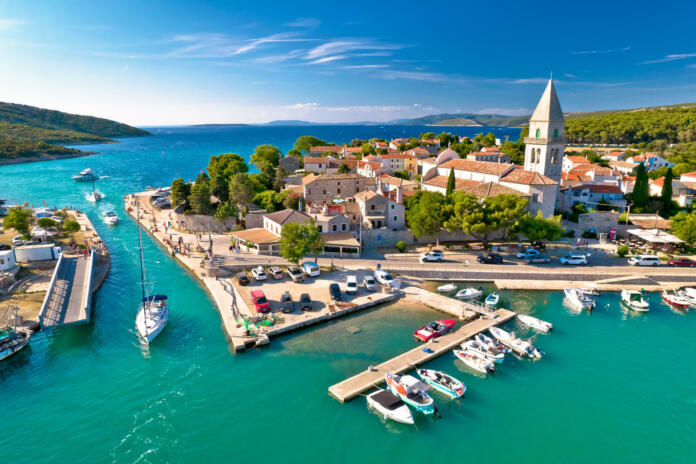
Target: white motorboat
<point>492,300</point>
<point>447,288</point>
<point>490,343</point>
<point>443,382</point>
<point>673,299</point>
<point>94,196</point>
<point>578,299</point>
<point>689,294</point>
<point>633,299</point>
<point>154,310</point>
<point>533,322</point>
<point>588,291</point>
<point>110,218</point>
<point>389,406</point>
<point>475,361</point>
<point>517,345</point>
<point>86,175</point>
<point>469,293</point>
<point>412,391</point>
<point>489,352</point>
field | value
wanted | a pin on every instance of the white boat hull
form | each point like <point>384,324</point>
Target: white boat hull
<point>401,414</point>
<point>533,322</point>
<point>150,328</point>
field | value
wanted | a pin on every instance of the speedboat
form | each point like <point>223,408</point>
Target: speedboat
<point>411,391</point>
<point>633,299</point>
<point>578,299</point>
<point>475,361</point>
<point>469,293</point>
<point>533,322</point>
<point>492,300</point>
<point>490,352</point>
<point>110,218</point>
<point>489,343</point>
<point>389,406</point>
<point>673,299</point>
<point>94,196</point>
<point>517,345</point>
<point>447,288</point>
<point>689,294</point>
<point>443,382</point>
<point>434,329</point>
<point>86,176</point>
<point>152,317</point>
<point>588,291</point>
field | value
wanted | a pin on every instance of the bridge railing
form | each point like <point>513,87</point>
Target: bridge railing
<point>49,292</point>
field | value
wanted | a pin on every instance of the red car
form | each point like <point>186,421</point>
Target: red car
<point>260,302</point>
<point>682,262</point>
<point>434,329</point>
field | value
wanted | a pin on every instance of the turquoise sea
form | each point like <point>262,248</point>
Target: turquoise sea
<point>613,386</point>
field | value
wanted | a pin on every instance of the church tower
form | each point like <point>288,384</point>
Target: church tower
<point>546,142</point>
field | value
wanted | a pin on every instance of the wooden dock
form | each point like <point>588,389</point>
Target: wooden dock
<point>370,378</point>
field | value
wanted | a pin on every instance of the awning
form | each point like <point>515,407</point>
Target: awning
<point>654,236</point>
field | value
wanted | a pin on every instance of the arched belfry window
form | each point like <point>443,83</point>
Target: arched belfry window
<point>538,133</point>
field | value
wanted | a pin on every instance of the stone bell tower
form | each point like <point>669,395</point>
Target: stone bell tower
<point>546,142</point>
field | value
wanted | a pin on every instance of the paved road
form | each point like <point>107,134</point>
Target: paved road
<point>65,304</point>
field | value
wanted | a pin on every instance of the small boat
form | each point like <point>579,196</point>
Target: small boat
<point>673,299</point>
<point>469,293</point>
<point>86,176</point>
<point>689,295</point>
<point>434,329</point>
<point>588,291</point>
<point>447,288</point>
<point>633,299</point>
<point>411,391</point>
<point>110,218</point>
<point>13,339</point>
<point>490,343</point>
<point>475,361</point>
<point>490,352</point>
<point>492,300</point>
<point>517,345</point>
<point>389,406</point>
<point>443,382</point>
<point>94,196</point>
<point>578,299</point>
<point>533,322</point>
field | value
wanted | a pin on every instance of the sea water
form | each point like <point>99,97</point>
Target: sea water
<point>613,386</point>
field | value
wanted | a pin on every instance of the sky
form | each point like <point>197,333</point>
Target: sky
<point>182,62</point>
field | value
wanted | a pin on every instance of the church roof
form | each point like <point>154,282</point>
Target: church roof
<point>548,109</point>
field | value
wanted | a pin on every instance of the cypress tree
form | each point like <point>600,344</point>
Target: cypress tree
<point>450,183</point>
<point>666,195</point>
<point>641,189</point>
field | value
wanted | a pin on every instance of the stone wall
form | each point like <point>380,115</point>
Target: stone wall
<point>387,237</point>
<point>600,221</point>
<point>196,223</point>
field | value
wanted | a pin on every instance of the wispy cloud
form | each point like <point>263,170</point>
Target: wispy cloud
<point>598,52</point>
<point>570,76</point>
<point>691,65</point>
<point>365,66</point>
<point>212,45</point>
<point>531,80</point>
<point>342,46</point>
<point>328,59</point>
<point>270,59</point>
<point>673,57</point>
<point>424,77</point>
<point>7,24</point>
<point>304,106</point>
<point>305,23</point>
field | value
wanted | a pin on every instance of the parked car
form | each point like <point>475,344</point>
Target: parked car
<point>242,278</point>
<point>4,247</point>
<point>335,291</point>
<point>574,259</point>
<point>286,302</point>
<point>305,302</point>
<point>644,260</point>
<point>430,257</point>
<point>17,240</point>
<point>682,262</point>
<point>538,259</point>
<point>276,273</point>
<point>384,278</point>
<point>258,273</point>
<point>311,269</point>
<point>527,253</point>
<point>437,252</point>
<point>351,284</point>
<point>370,284</point>
<point>295,274</point>
<point>490,258</point>
<point>260,302</point>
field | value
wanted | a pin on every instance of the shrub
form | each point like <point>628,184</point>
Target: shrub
<point>401,246</point>
<point>570,233</point>
<point>589,234</point>
<point>622,250</point>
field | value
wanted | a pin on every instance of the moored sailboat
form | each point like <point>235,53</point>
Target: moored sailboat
<point>13,339</point>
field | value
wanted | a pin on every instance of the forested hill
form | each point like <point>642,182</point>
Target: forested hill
<point>57,120</point>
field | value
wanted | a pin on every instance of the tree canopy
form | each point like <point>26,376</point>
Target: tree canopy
<point>305,142</point>
<point>425,213</point>
<point>641,188</point>
<point>17,218</point>
<point>480,218</point>
<point>220,169</point>
<point>539,228</point>
<point>684,226</point>
<point>300,240</point>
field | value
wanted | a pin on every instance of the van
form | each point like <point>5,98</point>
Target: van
<point>260,302</point>
<point>644,260</point>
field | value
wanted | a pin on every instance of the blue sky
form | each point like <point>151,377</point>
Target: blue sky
<point>176,62</point>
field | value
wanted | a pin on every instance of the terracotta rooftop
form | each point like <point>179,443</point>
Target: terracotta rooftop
<point>518,176</point>
<point>441,182</point>
<point>660,181</point>
<point>577,159</point>
<point>258,236</point>
<point>491,189</point>
<point>622,164</point>
<point>325,149</point>
<point>605,189</point>
<point>483,167</point>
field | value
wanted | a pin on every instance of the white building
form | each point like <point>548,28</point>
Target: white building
<point>7,260</point>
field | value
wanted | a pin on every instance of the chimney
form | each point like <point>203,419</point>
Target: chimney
<point>325,209</point>
<point>399,195</point>
<point>379,184</point>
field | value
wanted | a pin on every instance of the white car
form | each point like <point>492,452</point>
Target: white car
<point>430,257</point>
<point>528,253</point>
<point>574,259</point>
<point>351,284</point>
<point>370,284</point>
<point>258,273</point>
<point>644,260</point>
<point>311,269</point>
<point>384,278</point>
<point>17,240</point>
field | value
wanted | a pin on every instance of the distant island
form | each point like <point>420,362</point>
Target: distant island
<point>28,133</point>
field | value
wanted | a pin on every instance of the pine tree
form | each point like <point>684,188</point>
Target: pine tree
<point>641,189</point>
<point>450,183</point>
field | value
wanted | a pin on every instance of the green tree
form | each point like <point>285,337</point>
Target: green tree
<point>180,192</point>
<point>71,226</point>
<point>604,205</point>
<point>278,180</point>
<point>515,150</point>
<point>225,210</point>
<point>18,219</point>
<point>266,159</point>
<point>641,188</point>
<point>666,194</point>
<point>46,222</point>
<point>343,168</point>
<point>539,228</point>
<point>304,143</point>
<point>200,197</point>
<point>241,190</point>
<point>367,149</point>
<point>220,169</point>
<point>451,183</point>
<point>425,213</point>
<point>481,218</point>
<point>684,226</point>
<point>299,240</point>
<point>269,200</point>
<point>402,175</point>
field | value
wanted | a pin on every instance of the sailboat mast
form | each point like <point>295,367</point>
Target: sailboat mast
<point>143,276</point>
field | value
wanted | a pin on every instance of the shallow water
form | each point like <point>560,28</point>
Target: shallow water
<point>613,386</point>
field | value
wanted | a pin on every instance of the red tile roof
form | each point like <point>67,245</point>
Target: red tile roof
<point>323,149</point>
<point>483,167</point>
<point>605,189</point>
<point>518,176</point>
<point>577,159</point>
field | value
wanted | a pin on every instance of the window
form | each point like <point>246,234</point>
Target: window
<point>338,191</point>
<point>357,189</point>
<point>343,227</point>
<point>333,227</point>
<point>538,134</point>
<point>372,207</point>
<point>555,133</point>
<point>319,227</point>
<point>309,192</point>
<point>392,206</point>
<point>319,165</point>
<point>395,219</point>
<point>323,192</point>
<point>535,198</point>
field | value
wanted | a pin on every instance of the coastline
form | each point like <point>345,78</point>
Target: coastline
<point>46,157</point>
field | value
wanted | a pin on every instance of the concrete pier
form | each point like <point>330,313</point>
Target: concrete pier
<point>370,378</point>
